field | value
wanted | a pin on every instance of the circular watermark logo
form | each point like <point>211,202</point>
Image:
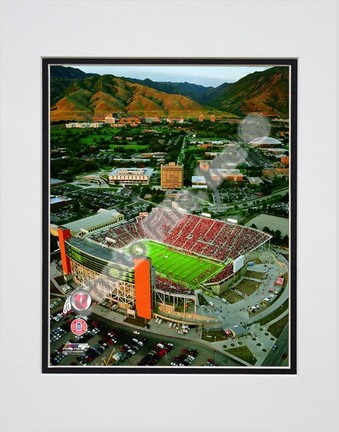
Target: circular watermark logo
<point>253,126</point>
<point>79,326</point>
<point>81,300</point>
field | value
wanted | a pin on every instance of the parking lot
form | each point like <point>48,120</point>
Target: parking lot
<point>114,344</point>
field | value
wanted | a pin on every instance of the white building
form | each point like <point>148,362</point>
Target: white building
<point>103,218</point>
<point>199,182</point>
<point>130,176</point>
<point>265,141</point>
<point>83,125</point>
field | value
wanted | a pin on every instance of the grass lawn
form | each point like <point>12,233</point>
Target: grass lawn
<point>135,147</point>
<point>89,140</point>
<point>244,353</point>
<point>213,335</point>
<point>247,286</point>
<point>257,261</point>
<point>231,296</point>
<point>202,300</point>
<point>254,275</point>
<point>278,326</point>
<point>176,265</point>
<point>275,313</point>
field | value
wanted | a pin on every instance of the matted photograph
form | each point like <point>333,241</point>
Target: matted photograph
<point>169,215</point>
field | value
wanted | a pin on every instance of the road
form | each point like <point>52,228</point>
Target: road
<point>276,358</point>
<point>181,156</point>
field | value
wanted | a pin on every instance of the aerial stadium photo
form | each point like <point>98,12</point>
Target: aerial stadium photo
<point>169,210</point>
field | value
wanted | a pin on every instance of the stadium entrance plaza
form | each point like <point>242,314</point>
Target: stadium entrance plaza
<point>256,338</point>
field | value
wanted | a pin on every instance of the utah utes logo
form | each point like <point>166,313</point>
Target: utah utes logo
<point>81,300</point>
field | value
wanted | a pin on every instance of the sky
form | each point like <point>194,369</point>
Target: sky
<point>203,75</point>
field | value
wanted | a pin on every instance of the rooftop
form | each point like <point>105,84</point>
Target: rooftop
<point>265,140</point>
<point>55,199</point>
<point>102,217</point>
<point>143,171</point>
<point>98,250</point>
<point>224,171</point>
<point>55,182</point>
<point>254,180</point>
<point>198,179</point>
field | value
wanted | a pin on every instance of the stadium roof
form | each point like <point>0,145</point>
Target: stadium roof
<point>266,140</point>
<point>98,250</point>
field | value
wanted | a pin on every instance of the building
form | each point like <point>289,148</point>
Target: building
<point>83,125</point>
<point>179,120</point>
<point>212,118</point>
<point>109,119</point>
<point>201,118</point>
<point>265,141</point>
<point>103,219</point>
<point>56,182</point>
<point>205,145</point>
<point>130,176</point>
<point>199,182</point>
<point>171,176</point>
<point>226,174</point>
<point>285,160</point>
<point>273,151</point>
<point>57,201</point>
<point>271,172</point>
<point>151,119</point>
<point>254,181</point>
<point>156,155</point>
<point>204,165</point>
<point>131,121</point>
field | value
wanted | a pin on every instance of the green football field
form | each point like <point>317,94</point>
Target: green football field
<point>175,265</point>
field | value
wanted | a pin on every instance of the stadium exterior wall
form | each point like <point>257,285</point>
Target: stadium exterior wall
<point>129,288</point>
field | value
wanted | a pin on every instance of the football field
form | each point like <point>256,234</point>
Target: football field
<point>175,265</point>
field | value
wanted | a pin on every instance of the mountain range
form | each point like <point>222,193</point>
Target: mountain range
<point>76,95</point>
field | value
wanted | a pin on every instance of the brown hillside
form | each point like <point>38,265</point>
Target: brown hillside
<point>97,96</point>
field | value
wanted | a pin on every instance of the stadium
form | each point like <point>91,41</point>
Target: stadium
<point>159,262</point>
